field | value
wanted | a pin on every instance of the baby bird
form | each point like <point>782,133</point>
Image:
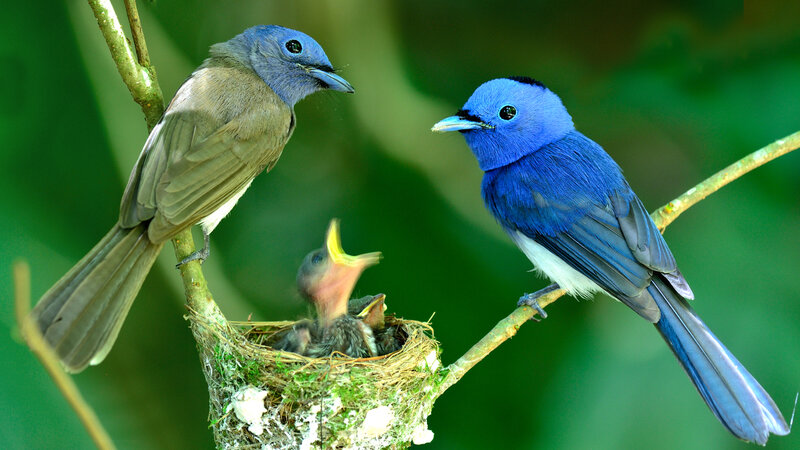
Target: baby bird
<point>326,278</point>
<point>371,310</point>
<point>298,338</point>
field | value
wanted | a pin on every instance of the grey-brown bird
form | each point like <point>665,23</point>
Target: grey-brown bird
<point>326,278</point>
<point>226,124</point>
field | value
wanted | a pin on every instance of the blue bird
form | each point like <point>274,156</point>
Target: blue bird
<point>226,124</point>
<point>565,204</point>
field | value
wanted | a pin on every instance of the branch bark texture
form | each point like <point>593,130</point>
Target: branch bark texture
<point>140,80</point>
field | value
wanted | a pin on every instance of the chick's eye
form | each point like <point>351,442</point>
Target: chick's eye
<point>294,46</point>
<point>508,112</point>
<point>316,259</point>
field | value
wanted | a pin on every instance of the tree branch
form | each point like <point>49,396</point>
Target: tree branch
<point>30,333</point>
<point>664,216</point>
<point>669,212</point>
<point>138,35</point>
<point>140,80</point>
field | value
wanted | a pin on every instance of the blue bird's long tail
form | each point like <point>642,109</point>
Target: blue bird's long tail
<point>733,395</point>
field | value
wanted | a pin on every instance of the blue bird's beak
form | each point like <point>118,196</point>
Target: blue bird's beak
<point>333,81</point>
<point>457,123</point>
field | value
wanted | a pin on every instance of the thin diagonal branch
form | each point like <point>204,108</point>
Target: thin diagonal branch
<point>664,216</point>
<point>30,333</point>
<point>669,212</point>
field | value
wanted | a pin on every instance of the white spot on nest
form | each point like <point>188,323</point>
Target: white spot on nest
<point>377,422</point>
<point>256,428</point>
<point>313,428</point>
<point>337,404</point>
<point>422,435</point>
<point>431,362</point>
<point>248,405</point>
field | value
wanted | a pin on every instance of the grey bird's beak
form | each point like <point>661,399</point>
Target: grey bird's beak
<point>333,81</point>
<point>456,123</point>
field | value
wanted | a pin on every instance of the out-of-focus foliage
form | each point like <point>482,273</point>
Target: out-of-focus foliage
<point>674,91</point>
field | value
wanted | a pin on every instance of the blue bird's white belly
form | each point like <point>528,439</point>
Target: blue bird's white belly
<point>550,265</point>
<point>212,220</point>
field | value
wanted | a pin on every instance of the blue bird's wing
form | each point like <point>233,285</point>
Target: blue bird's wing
<point>644,239</point>
<point>594,245</point>
<point>618,247</point>
<point>570,197</point>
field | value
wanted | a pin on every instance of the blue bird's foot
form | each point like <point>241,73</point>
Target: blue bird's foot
<point>200,255</point>
<point>532,300</point>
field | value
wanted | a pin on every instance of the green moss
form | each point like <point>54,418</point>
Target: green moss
<point>252,372</point>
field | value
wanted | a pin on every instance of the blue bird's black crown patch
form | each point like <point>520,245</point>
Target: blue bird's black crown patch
<point>528,80</point>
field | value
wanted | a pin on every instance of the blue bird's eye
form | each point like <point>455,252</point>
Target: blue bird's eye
<point>294,46</point>
<point>508,112</point>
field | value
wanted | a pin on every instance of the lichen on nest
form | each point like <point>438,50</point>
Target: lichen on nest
<point>327,402</point>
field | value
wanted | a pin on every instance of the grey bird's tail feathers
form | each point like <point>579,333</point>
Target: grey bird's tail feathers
<point>735,397</point>
<point>81,315</point>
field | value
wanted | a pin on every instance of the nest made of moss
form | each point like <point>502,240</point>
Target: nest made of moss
<point>265,398</point>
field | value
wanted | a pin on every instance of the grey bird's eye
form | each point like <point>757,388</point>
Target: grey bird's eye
<point>294,46</point>
<point>508,112</point>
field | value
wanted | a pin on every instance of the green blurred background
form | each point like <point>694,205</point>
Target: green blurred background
<point>674,91</point>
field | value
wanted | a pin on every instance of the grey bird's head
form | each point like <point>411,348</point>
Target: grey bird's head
<point>289,61</point>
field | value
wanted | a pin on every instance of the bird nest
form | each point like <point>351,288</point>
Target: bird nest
<point>265,398</point>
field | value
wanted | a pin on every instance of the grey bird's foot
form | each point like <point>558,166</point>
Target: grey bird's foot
<point>200,255</point>
<point>532,300</point>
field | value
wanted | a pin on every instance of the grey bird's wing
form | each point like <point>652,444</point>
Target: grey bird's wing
<point>207,148</point>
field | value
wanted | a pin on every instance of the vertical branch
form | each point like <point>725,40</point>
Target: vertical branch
<point>143,85</point>
<point>198,297</point>
<point>138,35</point>
<point>141,82</point>
<point>30,332</point>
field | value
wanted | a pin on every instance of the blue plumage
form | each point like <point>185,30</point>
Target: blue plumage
<point>566,204</point>
<point>522,196</point>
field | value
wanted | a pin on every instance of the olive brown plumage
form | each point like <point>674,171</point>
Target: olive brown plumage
<point>226,124</point>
